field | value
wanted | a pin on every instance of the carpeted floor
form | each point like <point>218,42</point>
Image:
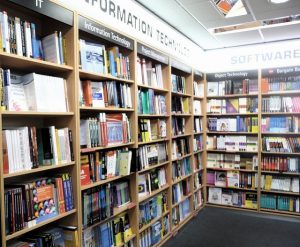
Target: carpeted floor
<point>217,227</point>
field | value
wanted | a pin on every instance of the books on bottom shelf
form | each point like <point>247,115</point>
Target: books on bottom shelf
<point>151,181</point>
<point>232,161</point>
<point>229,197</point>
<point>151,155</point>
<point>116,232</point>
<point>232,143</point>
<point>98,203</point>
<point>105,130</point>
<point>198,199</point>
<point>155,233</point>
<point>33,92</point>
<point>99,166</point>
<point>33,202</point>
<point>280,203</point>
<point>25,148</point>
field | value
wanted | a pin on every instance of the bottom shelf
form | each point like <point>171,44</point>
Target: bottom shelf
<point>182,223</point>
<point>163,240</point>
<point>274,211</point>
<point>230,206</point>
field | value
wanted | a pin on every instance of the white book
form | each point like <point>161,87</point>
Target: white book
<point>139,71</point>
<point>28,39</point>
<point>144,72</point>
<point>54,144</point>
<point>212,88</point>
<point>18,36</point>
<point>5,32</point>
<point>159,75</point>
<point>97,94</point>
<point>215,195</point>
<point>51,48</point>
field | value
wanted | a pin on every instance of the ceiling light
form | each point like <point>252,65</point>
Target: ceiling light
<point>278,1</point>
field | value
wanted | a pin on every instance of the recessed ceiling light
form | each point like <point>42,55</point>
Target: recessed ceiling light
<point>278,1</point>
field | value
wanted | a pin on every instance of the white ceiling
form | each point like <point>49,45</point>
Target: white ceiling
<point>194,17</point>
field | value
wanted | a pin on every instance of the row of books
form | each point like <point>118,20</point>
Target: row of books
<point>181,105</point>
<point>113,233</point>
<point>229,87</point>
<point>198,161</point>
<point>152,129</point>
<point>149,74</point>
<point>31,202</point>
<point>198,199</point>
<point>178,125</point>
<point>233,124</point>
<point>232,161</point>
<point>240,105</point>
<point>197,125</point>
<point>232,198</point>
<point>281,144</point>
<point>96,58</point>
<point>21,37</point>
<point>63,236</point>
<point>151,103</point>
<point>279,183</point>
<point>151,181</point>
<point>154,234</point>
<point>198,144</point>
<point>280,164</point>
<point>152,209</point>
<point>197,180</point>
<point>232,143</point>
<point>28,147</point>
<point>280,124</point>
<point>181,212</point>
<point>98,203</point>
<point>105,130</point>
<point>180,147</point>
<point>198,89</point>
<point>181,168</point>
<point>280,104</point>
<point>178,83</point>
<point>98,166</point>
<point>284,83</point>
<point>152,154</point>
<point>180,190</point>
<point>33,92</point>
<point>105,94</point>
<point>232,179</point>
<point>281,203</point>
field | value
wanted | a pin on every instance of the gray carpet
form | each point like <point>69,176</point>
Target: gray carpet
<point>216,227</point>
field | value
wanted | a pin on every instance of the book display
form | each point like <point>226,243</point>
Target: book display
<point>232,138</point>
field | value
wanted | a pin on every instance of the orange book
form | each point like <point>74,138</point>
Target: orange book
<point>264,85</point>
<point>87,93</point>
<point>60,195</point>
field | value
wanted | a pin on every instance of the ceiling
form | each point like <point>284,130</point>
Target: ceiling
<point>194,18</point>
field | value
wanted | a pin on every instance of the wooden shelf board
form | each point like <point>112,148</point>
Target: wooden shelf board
<point>182,200</point>
<point>198,97</point>
<point>97,76</point>
<point>88,150</point>
<point>183,222</point>
<point>230,114</point>
<point>183,157</point>
<point>156,89</point>
<point>181,135</point>
<point>181,94</point>
<point>198,115</point>
<point>36,170</point>
<point>145,227</point>
<point>153,167</point>
<point>229,133</point>
<point>34,113</point>
<point>281,173</point>
<point>280,133</point>
<point>229,206</point>
<point>198,151</point>
<point>181,114</point>
<point>27,64</point>
<point>153,193</point>
<point>231,188</point>
<point>279,113</point>
<point>43,223</point>
<point>199,188</point>
<point>279,153</point>
<point>280,192</point>
<point>281,92</point>
<point>233,96</point>
<point>105,109</point>
<point>163,240</point>
<point>225,151</point>
<point>264,210</point>
<point>176,181</point>
<point>199,170</point>
<point>153,141</point>
<point>230,169</point>
<point>153,115</point>
<point>198,133</point>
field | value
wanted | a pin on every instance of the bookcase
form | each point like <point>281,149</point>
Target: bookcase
<point>233,139</point>
<point>20,170</point>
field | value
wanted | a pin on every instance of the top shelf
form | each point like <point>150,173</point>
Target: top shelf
<point>96,76</point>
<point>17,62</point>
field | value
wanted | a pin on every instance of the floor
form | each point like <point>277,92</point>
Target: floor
<point>218,227</point>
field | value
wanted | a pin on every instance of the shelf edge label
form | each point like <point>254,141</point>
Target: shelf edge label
<point>149,52</point>
<point>248,74</point>
<point>181,66</point>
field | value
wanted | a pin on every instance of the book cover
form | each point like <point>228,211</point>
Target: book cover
<point>212,88</point>
<point>215,195</point>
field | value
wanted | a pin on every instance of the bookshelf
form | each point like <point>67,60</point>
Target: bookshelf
<point>49,19</point>
<point>233,119</point>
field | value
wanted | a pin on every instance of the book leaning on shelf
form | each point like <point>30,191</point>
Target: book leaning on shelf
<point>181,168</point>
<point>151,103</point>
<point>197,180</point>
<point>180,105</point>
<point>150,155</point>
<point>180,147</point>
<point>26,148</point>
<point>32,202</point>
<point>97,59</point>
<point>97,166</point>
<point>151,181</point>
<point>198,89</point>
<point>181,212</point>
<point>149,74</point>
<point>109,196</point>
<point>152,129</point>
<point>105,130</point>
<point>116,232</point>
<point>178,126</point>
<point>180,190</point>
<point>198,143</point>
<point>20,37</point>
<point>105,94</point>
<point>33,92</point>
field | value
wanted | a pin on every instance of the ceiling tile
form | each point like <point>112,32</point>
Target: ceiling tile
<point>240,38</point>
<point>283,32</point>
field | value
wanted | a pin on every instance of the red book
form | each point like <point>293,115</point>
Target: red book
<point>87,93</point>
<point>85,174</point>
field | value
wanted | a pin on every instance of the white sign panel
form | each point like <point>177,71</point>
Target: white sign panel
<point>132,19</point>
<point>277,54</point>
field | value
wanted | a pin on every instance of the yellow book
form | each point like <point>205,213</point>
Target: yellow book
<point>254,125</point>
<point>186,105</point>
<point>58,146</point>
<point>71,236</point>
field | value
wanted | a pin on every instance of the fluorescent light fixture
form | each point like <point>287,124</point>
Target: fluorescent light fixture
<point>278,1</point>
